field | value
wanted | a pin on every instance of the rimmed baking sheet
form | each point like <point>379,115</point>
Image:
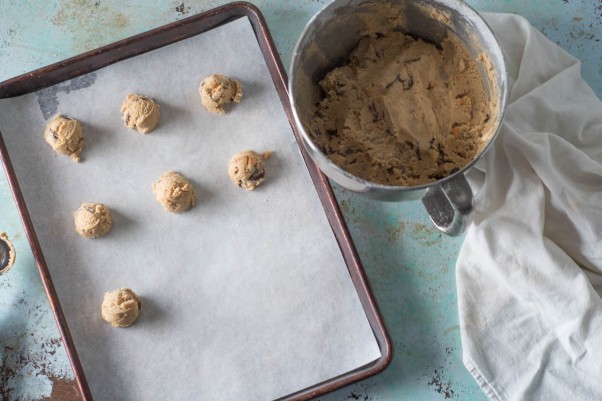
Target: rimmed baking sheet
<point>247,295</point>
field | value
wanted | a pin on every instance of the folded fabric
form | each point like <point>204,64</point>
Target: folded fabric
<point>529,274</point>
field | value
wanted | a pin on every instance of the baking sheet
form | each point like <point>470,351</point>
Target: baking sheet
<point>246,296</point>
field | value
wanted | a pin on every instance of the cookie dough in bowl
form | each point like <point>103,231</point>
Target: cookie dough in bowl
<point>403,111</point>
<point>121,307</point>
<point>218,90</point>
<point>140,113</point>
<point>419,118</point>
<point>247,169</point>
<point>93,220</point>
<point>66,136</point>
<point>174,192</point>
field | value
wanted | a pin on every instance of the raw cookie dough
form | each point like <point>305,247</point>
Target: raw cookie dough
<point>402,111</point>
<point>174,192</point>
<point>121,308</point>
<point>217,90</point>
<point>247,169</point>
<point>7,253</point>
<point>140,112</point>
<point>92,220</point>
<point>66,136</point>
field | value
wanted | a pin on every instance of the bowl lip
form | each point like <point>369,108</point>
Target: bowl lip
<point>315,151</point>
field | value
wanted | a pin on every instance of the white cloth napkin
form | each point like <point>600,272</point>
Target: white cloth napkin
<point>529,274</point>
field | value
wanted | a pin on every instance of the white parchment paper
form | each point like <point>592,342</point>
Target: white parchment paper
<point>246,296</point>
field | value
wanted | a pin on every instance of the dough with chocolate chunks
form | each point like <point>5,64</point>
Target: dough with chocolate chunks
<point>174,192</point>
<point>402,111</point>
<point>93,220</point>
<point>218,90</point>
<point>66,136</point>
<point>247,169</point>
<point>140,113</point>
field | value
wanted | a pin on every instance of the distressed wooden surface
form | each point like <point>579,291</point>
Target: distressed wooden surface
<point>410,264</point>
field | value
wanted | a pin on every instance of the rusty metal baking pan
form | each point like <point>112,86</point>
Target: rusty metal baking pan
<point>154,39</point>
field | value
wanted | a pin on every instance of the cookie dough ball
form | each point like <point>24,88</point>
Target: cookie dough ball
<point>140,112</point>
<point>217,90</point>
<point>93,220</point>
<point>121,308</point>
<point>66,136</point>
<point>247,169</point>
<point>174,192</point>
<point>7,253</point>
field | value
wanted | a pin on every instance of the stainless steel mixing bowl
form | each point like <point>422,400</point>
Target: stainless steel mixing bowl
<point>333,33</point>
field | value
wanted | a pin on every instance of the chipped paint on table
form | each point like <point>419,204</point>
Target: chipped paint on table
<point>410,264</point>
<point>33,361</point>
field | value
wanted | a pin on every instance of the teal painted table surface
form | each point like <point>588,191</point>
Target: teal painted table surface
<point>410,264</point>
